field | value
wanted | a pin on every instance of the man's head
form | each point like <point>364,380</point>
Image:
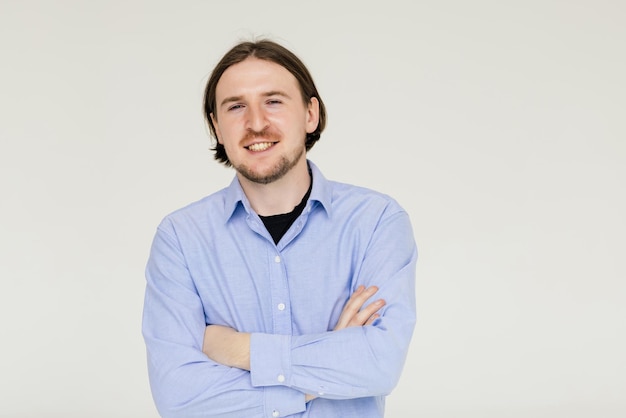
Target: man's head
<point>267,51</point>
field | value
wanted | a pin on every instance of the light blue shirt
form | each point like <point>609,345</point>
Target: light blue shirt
<point>213,262</point>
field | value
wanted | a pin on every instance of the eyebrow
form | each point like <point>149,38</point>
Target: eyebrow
<point>270,93</point>
<point>277,93</point>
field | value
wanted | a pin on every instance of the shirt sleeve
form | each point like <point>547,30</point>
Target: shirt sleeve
<point>357,361</point>
<point>184,381</point>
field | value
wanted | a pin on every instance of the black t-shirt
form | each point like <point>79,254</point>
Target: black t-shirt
<point>277,225</point>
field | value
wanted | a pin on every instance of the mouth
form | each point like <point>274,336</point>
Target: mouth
<point>260,146</point>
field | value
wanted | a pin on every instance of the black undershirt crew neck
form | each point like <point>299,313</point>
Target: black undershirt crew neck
<point>278,225</point>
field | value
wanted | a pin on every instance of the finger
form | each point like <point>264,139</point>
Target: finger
<point>357,303</point>
<point>349,308</point>
<point>364,315</point>
<point>358,298</point>
<point>354,304</point>
<point>372,319</point>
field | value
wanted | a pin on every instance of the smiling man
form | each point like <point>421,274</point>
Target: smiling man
<point>284,294</point>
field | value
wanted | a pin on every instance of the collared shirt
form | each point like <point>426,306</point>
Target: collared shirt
<point>213,262</point>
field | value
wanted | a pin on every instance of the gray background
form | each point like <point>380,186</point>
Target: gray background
<point>498,125</point>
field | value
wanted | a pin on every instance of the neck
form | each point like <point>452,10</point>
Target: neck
<point>280,196</point>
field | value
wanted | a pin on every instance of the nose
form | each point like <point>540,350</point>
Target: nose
<point>257,120</point>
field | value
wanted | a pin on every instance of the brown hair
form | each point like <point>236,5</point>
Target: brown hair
<point>271,51</point>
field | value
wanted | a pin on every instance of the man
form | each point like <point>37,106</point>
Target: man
<point>260,298</point>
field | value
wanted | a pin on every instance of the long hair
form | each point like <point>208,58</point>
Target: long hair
<point>271,51</point>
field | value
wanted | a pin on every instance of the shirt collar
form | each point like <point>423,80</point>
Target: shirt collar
<point>321,192</point>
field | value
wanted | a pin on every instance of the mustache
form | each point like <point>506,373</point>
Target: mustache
<point>266,133</point>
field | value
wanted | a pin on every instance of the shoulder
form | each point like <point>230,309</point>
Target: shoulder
<point>368,216</point>
<point>197,213</point>
<point>342,197</point>
<point>349,195</point>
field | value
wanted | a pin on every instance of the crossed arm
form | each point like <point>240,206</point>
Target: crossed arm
<point>231,348</point>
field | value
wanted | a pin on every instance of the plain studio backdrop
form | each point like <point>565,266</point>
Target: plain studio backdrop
<point>500,126</point>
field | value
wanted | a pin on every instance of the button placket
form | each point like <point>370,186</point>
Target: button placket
<point>280,294</point>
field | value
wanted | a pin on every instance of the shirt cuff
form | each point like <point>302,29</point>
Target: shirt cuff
<point>282,401</point>
<point>270,359</point>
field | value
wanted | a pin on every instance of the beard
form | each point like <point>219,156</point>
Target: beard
<point>278,171</point>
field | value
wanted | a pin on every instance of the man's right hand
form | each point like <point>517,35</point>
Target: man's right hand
<point>354,314</point>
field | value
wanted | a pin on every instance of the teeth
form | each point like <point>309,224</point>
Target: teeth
<point>261,146</point>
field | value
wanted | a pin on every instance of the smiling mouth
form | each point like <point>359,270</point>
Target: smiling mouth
<point>260,146</point>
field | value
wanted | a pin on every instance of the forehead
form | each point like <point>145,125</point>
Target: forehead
<point>254,75</point>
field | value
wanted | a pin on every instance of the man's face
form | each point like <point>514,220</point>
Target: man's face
<point>261,119</point>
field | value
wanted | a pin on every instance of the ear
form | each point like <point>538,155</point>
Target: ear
<point>312,115</point>
<point>217,128</point>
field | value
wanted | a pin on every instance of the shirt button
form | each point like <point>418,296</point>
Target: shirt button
<point>275,413</point>
<point>281,306</point>
<point>277,259</point>
<point>281,378</point>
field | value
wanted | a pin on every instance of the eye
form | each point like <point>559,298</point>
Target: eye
<point>274,102</point>
<point>235,107</point>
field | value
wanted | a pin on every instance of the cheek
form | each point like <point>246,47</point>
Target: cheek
<point>288,123</point>
<point>228,133</point>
